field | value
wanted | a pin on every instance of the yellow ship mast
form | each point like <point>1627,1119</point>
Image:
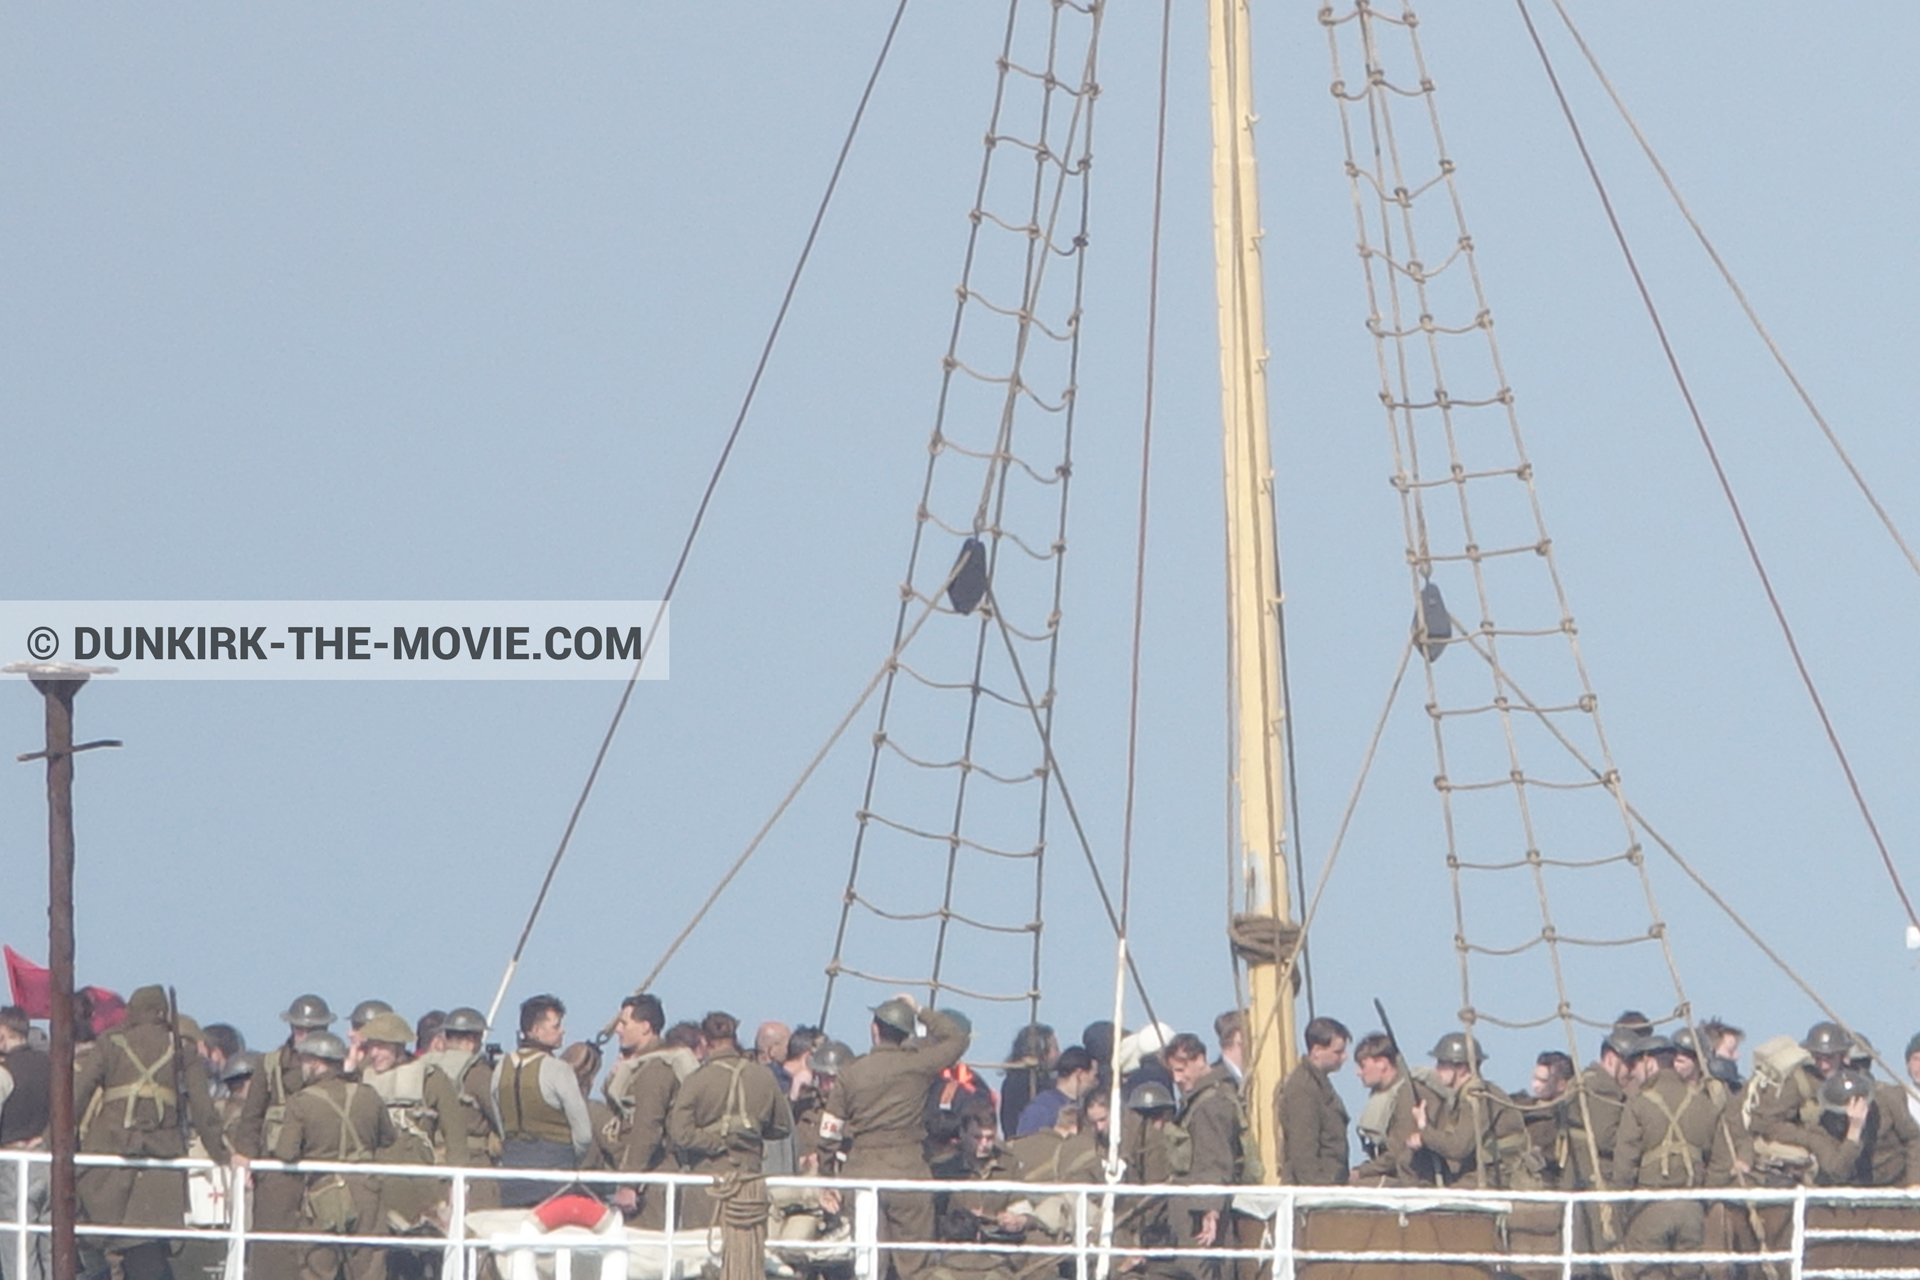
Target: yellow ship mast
<point>1255,702</point>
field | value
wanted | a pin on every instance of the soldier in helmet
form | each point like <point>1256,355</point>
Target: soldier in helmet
<point>1665,1135</point>
<point>363,1013</point>
<point>462,1060</point>
<point>824,1066</point>
<point>1478,1135</point>
<point>238,1079</point>
<point>424,1108</point>
<point>1888,1138</point>
<point>1156,1151</point>
<point>1786,1107</point>
<point>1844,1132</point>
<point>276,1196</point>
<point>1591,1113</point>
<point>337,1119</point>
<point>877,1115</point>
<point>139,1072</point>
<point>804,1213</point>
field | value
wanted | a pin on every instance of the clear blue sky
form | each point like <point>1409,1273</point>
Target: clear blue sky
<point>375,301</point>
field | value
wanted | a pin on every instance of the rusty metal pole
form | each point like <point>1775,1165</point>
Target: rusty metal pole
<point>57,683</point>
<point>58,695</point>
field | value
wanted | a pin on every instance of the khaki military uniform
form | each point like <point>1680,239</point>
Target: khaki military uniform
<point>1664,1140</point>
<point>430,1128</point>
<point>877,1115</point>
<point>1894,1158</point>
<point>276,1196</point>
<point>472,1079</point>
<point>1313,1129</point>
<point>1787,1116</point>
<point>1545,1138</point>
<point>1052,1157</point>
<point>1386,1124</point>
<point>641,1092</point>
<point>338,1119</point>
<point>1479,1138</point>
<point>1590,1114</point>
<point>722,1119</point>
<point>133,1081</point>
<point>972,1217</point>
<point>1157,1153</point>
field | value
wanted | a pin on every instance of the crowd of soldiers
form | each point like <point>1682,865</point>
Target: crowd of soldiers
<point>1652,1111</point>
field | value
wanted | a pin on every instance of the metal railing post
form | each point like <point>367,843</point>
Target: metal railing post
<point>21,1172</point>
<point>237,1210</point>
<point>1798,1266</point>
<point>1566,1237</point>
<point>1283,1267</point>
<point>673,1231</point>
<point>453,1264</point>
<point>866,1233</point>
<point>1080,1234</point>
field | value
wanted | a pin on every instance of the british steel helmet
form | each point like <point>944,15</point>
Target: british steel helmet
<point>387,1028</point>
<point>1458,1049</point>
<point>1825,1038</point>
<point>1150,1095</point>
<point>1650,1044</point>
<point>366,1011</point>
<point>308,1011</point>
<point>829,1059</point>
<point>465,1022</point>
<point>1861,1052</point>
<point>240,1066</point>
<point>324,1045</point>
<point>1843,1088</point>
<point>1685,1042</point>
<point>897,1013</point>
<point>1621,1040</point>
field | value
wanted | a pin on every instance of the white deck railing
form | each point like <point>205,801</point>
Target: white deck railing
<point>1092,1254</point>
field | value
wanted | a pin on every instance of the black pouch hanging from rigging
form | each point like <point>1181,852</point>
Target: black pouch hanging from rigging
<point>1432,625</point>
<point>969,585</point>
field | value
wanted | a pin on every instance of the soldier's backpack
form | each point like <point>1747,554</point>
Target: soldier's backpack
<point>1776,1065</point>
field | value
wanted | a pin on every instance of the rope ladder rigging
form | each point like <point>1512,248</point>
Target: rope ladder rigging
<point>1511,805</point>
<point>943,818</point>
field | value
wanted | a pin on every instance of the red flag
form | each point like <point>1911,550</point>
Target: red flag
<point>32,985</point>
<point>109,1010</point>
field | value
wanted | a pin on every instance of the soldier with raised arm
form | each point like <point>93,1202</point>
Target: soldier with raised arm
<point>1477,1133</point>
<point>877,1116</point>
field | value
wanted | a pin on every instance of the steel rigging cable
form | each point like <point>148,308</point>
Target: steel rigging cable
<point>1720,474</point>
<point>706,501</point>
